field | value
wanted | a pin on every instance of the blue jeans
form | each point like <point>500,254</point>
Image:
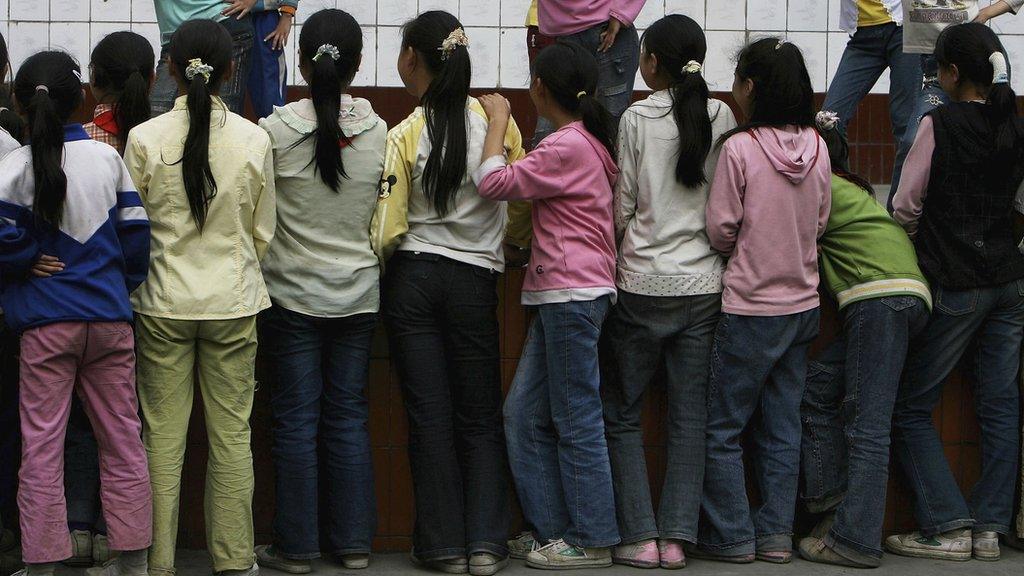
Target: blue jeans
<point>268,71</point>
<point>82,472</point>
<point>555,431</point>
<point>616,72</point>
<point>931,96</point>
<point>868,53</point>
<point>847,417</point>
<point>319,405</point>
<point>990,323</point>
<point>165,89</point>
<point>642,335</point>
<point>758,365</point>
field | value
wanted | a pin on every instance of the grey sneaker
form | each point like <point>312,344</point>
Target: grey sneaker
<point>985,546</point>
<point>267,556</point>
<point>815,550</point>
<point>355,561</point>
<point>952,545</point>
<point>81,549</point>
<point>521,546</point>
<point>132,563</point>
<point>446,566</point>
<point>560,555</point>
<point>253,570</point>
<point>101,552</point>
<point>486,564</point>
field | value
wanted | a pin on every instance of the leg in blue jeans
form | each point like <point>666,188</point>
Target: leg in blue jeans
<point>569,367</point>
<point>992,319</point>
<point>928,98</point>
<point>758,364</point>
<point>616,68</point>
<point>847,414</point>
<point>311,409</point>
<point>81,472</point>
<point>268,75</point>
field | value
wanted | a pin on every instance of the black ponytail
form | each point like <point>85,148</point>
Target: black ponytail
<point>49,89</point>
<point>970,47</point>
<point>209,44</point>
<point>444,104</point>
<point>9,120</point>
<point>122,66</point>
<point>569,72</point>
<point>330,45</point>
<point>677,40</point>
<point>783,94</point>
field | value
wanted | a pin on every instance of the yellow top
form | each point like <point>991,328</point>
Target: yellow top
<point>531,15</point>
<point>872,13</point>
<point>213,274</point>
<point>473,230</point>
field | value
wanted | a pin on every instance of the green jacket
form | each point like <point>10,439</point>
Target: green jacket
<point>865,253</point>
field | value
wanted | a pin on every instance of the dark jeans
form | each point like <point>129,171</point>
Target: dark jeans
<point>616,72</point>
<point>10,427</point>
<point>868,53</point>
<point>990,321</point>
<point>165,90</point>
<point>319,400</point>
<point>82,472</point>
<point>643,334</point>
<point>847,416</point>
<point>441,317</point>
<point>758,365</point>
<point>930,97</point>
<point>555,429</point>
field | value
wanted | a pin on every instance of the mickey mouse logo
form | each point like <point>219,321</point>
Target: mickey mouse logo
<point>385,186</point>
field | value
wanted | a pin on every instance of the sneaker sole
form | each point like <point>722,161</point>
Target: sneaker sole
<point>786,559</point>
<point>673,565</point>
<point>987,556</point>
<point>930,554</point>
<point>286,568</point>
<point>79,562</point>
<point>635,563</point>
<point>488,569</point>
<point>604,564</point>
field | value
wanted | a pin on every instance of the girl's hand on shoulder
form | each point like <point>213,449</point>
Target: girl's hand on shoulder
<point>47,266</point>
<point>496,107</point>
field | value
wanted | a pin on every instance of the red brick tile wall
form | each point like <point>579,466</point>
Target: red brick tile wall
<point>872,156</point>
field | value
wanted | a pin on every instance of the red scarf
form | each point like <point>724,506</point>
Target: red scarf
<point>107,122</point>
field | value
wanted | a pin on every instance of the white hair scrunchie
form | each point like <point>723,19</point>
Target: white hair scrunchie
<point>1000,71</point>
<point>328,49</point>
<point>457,37</point>
<point>693,67</point>
<point>195,67</point>
<point>826,120</point>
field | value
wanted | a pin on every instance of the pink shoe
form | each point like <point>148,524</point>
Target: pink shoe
<point>643,554</point>
<point>672,555</point>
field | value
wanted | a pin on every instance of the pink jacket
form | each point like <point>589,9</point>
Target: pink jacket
<point>569,177</point>
<point>564,17</point>
<point>768,205</point>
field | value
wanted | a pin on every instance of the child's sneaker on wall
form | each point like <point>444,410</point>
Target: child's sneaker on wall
<point>560,555</point>
<point>672,555</point>
<point>643,554</point>
<point>81,549</point>
<point>952,545</point>
<point>486,564</point>
<point>521,546</point>
<point>985,546</point>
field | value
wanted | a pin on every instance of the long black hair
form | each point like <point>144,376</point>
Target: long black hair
<point>325,35</point>
<point>9,119</point>
<point>676,40</point>
<point>972,47</point>
<point>48,88</point>
<point>122,66</point>
<point>444,104</point>
<point>569,72</point>
<point>783,95</point>
<point>209,44</point>
<point>839,151</point>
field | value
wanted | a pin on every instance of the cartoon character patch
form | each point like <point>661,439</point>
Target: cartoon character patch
<point>385,186</point>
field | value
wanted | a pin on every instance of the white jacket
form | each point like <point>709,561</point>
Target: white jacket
<point>663,245</point>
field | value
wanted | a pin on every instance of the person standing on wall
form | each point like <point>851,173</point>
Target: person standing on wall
<point>234,16</point>
<point>876,43</point>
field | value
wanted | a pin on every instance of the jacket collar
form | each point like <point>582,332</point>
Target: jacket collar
<point>75,132</point>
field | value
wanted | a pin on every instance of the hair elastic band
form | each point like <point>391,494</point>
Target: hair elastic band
<point>42,88</point>
<point>457,37</point>
<point>195,67</point>
<point>779,45</point>
<point>581,94</point>
<point>77,74</point>
<point>826,120</point>
<point>692,67</point>
<point>328,49</point>
<point>1000,71</point>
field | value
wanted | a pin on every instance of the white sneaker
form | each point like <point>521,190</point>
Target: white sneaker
<point>986,546</point>
<point>952,545</point>
<point>521,546</point>
<point>560,555</point>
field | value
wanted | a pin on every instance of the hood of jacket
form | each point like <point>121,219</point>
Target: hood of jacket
<point>793,150</point>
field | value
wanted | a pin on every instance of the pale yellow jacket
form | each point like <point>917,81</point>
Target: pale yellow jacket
<point>213,274</point>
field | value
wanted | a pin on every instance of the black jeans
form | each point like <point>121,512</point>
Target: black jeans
<point>442,325</point>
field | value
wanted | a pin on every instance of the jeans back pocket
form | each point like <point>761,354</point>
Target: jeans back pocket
<point>955,302</point>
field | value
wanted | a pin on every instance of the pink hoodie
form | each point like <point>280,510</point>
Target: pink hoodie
<point>564,17</point>
<point>768,205</point>
<point>569,176</point>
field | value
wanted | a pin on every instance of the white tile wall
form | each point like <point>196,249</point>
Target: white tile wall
<point>495,27</point>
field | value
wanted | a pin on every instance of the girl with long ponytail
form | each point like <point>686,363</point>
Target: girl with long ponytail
<point>670,289</point>
<point>958,199</point>
<point>323,279</point>
<point>442,244</point>
<point>553,410</point>
<point>122,66</point>
<point>206,177</point>
<point>74,242</point>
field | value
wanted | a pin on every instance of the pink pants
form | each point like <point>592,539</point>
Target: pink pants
<point>98,360</point>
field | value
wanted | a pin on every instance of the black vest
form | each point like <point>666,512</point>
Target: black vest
<point>965,237</point>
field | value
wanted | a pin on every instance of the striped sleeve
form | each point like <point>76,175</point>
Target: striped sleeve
<point>390,219</point>
<point>19,249</point>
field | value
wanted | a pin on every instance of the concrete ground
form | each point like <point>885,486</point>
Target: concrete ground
<point>196,563</point>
